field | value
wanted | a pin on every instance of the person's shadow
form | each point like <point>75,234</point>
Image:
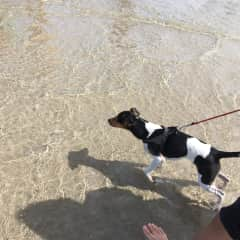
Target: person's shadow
<point>111,214</point>
<point>124,173</point>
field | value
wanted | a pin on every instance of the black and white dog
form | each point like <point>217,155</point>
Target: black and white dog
<point>171,143</point>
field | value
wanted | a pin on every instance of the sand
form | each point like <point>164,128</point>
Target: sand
<point>65,68</point>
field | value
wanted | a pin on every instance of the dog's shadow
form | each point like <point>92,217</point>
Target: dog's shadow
<point>110,213</point>
<point>124,173</point>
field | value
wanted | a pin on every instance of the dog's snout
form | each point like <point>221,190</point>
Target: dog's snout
<point>114,123</point>
<point>111,121</point>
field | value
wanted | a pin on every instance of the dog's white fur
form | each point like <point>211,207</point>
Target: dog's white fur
<point>151,127</point>
<point>197,148</point>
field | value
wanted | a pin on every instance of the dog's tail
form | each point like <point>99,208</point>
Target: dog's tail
<point>222,154</point>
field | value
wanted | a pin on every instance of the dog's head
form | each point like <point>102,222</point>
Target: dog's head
<point>125,119</point>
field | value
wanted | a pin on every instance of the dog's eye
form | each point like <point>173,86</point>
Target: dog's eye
<point>123,117</point>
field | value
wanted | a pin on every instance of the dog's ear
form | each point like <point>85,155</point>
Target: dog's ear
<point>135,112</point>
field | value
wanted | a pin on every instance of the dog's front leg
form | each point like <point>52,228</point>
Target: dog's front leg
<point>157,160</point>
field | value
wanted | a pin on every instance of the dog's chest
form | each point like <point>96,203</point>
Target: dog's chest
<point>197,148</point>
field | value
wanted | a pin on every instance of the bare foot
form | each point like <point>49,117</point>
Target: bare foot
<point>153,232</point>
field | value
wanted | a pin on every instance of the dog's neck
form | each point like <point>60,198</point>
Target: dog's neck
<point>143,129</point>
<point>138,129</point>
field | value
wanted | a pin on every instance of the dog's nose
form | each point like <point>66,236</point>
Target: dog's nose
<point>109,121</point>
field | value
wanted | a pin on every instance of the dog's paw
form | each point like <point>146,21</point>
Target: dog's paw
<point>222,185</point>
<point>224,178</point>
<point>150,178</point>
<point>227,179</point>
<point>157,180</point>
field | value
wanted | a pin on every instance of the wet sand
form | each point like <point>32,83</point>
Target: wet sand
<point>65,68</point>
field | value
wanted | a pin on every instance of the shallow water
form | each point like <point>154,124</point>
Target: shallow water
<point>67,66</point>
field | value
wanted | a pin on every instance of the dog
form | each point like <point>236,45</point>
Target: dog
<point>169,142</point>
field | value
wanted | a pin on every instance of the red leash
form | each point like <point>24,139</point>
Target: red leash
<point>208,119</point>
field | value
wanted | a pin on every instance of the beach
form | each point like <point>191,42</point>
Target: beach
<point>66,67</point>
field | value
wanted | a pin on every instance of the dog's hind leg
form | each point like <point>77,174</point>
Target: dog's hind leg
<point>224,178</point>
<point>213,189</point>
<point>157,161</point>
